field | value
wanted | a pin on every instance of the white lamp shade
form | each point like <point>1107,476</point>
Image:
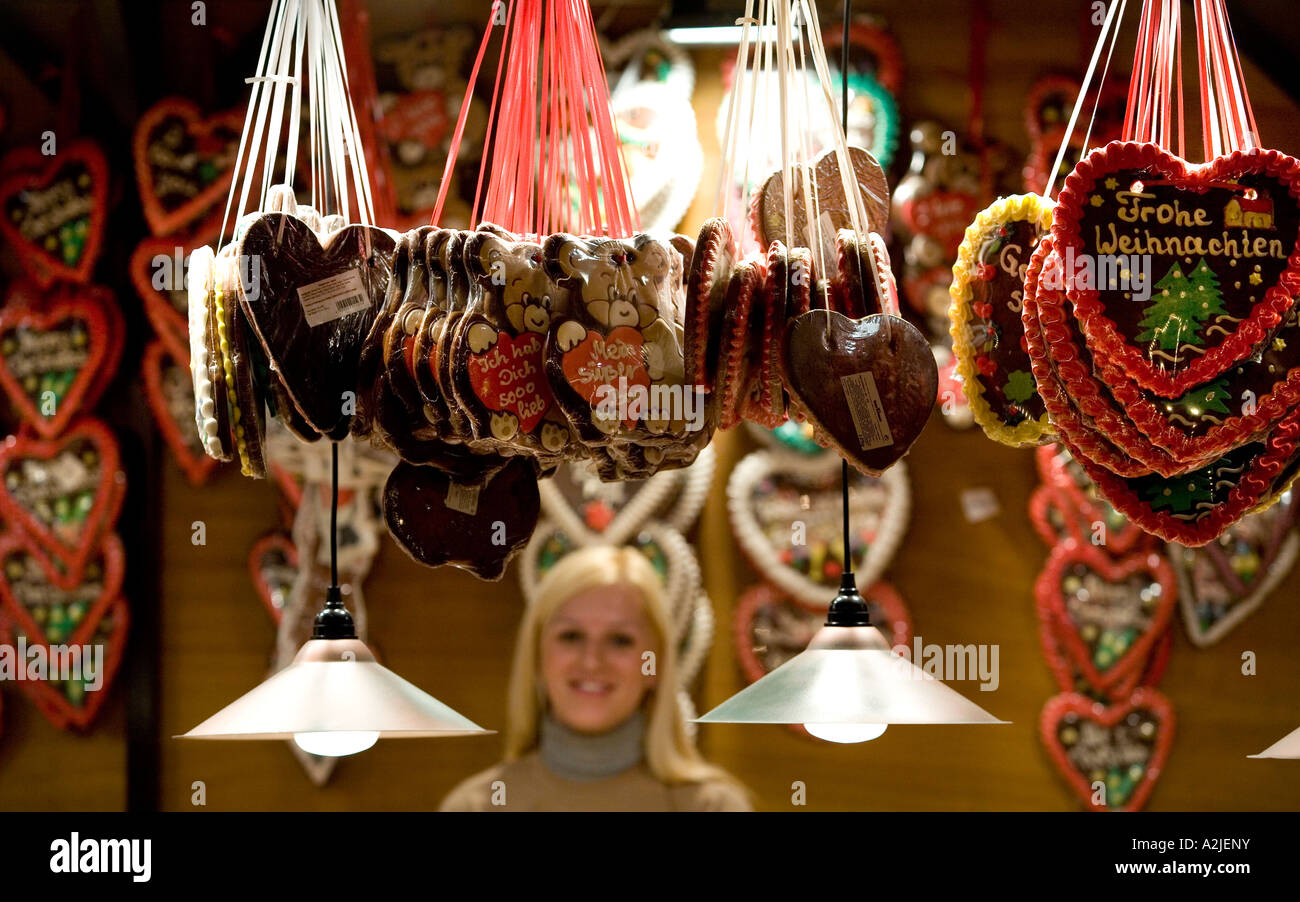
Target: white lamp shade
<point>1286,747</point>
<point>848,675</point>
<point>335,685</point>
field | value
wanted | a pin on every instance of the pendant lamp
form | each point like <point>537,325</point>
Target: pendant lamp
<point>335,699</point>
<point>847,686</point>
<point>1286,747</point>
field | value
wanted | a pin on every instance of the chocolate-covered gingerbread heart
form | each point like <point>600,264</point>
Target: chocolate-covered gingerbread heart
<point>868,384</point>
<point>437,521</point>
<point>768,209</point>
<point>312,306</point>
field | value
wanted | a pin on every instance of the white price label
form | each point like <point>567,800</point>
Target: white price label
<point>868,413</point>
<point>463,498</point>
<point>331,298</point>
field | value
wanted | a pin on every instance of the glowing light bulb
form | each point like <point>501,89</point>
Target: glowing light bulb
<point>336,744</point>
<point>846,732</point>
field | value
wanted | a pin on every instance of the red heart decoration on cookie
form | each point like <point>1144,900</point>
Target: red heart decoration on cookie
<point>52,210</point>
<point>57,354</point>
<point>63,493</point>
<point>70,703</point>
<point>1219,241</point>
<point>1123,746</point>
<point>869,384</point>
<point>1108,613</point>
<point>170,393</point>
<point>511,377</point>
<point>184,162</point>
<point>941,215</point>
<point>600,360</point>
<point>273,566</point>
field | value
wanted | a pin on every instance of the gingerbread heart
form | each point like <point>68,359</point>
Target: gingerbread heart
<point>767,210</point>
<point>273,566</point>
<point>1219,242</point>
<point>37,597</point>
<point>168,388</point>
<point>63,493</point>
<point>52,210</point>
<point>1070,678</point>
<point>988,336</point>
<point>1094,520</point>
<point>437,521</point>
<point>311,307</point>
<point>1172,436</point>
<point>869,384</point>
<point>1108,612</point>
<point>706,291</point>
<point>159,271</point>
<point>1123,747</point>
<point>785,512</point>
<point>58,354</point>
<point>74,701</point>
<point>1091,421</point>
<point>184,162</point>
<point>1222,583</point>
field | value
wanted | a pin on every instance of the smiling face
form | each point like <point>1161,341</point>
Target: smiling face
<point>591,658</point>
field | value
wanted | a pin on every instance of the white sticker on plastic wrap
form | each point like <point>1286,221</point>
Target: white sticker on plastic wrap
<point>331,298</point>
<point>463,498</point>
<point>868,413</point>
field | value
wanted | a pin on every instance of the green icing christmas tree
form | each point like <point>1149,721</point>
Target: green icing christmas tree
<point>1181,306</point>
<point>1205,399</point>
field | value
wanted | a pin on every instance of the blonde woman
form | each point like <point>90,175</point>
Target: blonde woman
<point>591,725</point>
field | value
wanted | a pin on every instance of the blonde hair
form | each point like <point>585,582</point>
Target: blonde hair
<point>669,752</point>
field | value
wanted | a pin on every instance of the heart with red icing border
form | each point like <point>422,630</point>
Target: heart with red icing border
<point>63,493</point>
<point>52,210</point>
<point>1132,198</point>
<point>273,567</point>
<point>67,703</point>
<point>1108,613</point>
<point>169,391</point>
<point>1124,745</point>
<point>67,344</point>
<point>184,161</point>
<point>36,597</point>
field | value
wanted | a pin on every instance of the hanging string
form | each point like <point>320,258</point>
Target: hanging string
<point>1109,27</point>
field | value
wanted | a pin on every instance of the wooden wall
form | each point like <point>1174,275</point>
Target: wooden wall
<point>452,635</point>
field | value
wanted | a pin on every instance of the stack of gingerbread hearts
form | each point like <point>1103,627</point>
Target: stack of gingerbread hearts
<point>1160,315</point>
<point>1105,600</point>
<point>184,163</point>
<point>63,617</point>
<point>797,317</point>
